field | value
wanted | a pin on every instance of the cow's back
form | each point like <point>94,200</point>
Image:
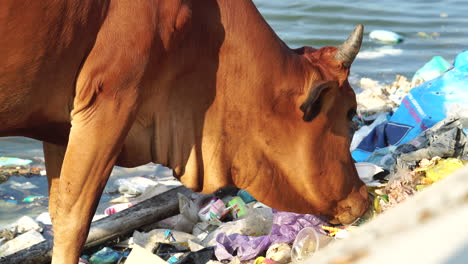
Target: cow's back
<point>42,46</point>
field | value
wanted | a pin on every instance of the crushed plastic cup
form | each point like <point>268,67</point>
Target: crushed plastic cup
<point>307,242</point>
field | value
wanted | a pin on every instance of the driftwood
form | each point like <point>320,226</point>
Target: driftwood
<point>114,227</point>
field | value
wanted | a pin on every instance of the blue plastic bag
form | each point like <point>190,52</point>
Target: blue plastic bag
<point>422,108</point>
<point>461,59</point>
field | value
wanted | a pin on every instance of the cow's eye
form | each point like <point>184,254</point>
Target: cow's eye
<point>351,114</point>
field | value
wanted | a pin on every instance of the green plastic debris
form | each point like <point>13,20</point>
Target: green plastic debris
<point>431,70</point>
<point>32,198</point>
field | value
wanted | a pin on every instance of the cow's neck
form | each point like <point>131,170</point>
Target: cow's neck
<point>239,69</point>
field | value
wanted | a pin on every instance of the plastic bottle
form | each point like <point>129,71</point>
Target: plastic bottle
<point>14,162</point>
<point>237,207</point>
<point>385,36</point>
<point>246,196</point>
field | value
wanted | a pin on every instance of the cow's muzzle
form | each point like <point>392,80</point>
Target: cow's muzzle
<point>355,206</point>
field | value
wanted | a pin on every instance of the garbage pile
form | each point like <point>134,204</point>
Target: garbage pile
<point>20,185</point>
<point>11,166</point>
<point>412,134</point>
<point>229,226</point>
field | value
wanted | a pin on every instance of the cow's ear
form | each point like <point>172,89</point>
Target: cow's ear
<point>313,103</point>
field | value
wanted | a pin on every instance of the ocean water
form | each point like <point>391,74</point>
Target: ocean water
<point>312,23</point>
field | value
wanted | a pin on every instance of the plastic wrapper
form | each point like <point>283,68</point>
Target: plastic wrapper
<point>284,229</point>
<point>134,186</point>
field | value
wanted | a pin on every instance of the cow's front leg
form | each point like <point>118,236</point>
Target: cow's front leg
<point>105,104</point>
<point>99,128</point>
<point>53,155</point>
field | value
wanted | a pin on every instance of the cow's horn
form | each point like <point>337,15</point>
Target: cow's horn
<point>349,49</point>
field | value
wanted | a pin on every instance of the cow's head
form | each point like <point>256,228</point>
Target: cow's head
<point>304,164</point>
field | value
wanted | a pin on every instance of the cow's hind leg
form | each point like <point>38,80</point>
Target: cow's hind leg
<point>53,159</point>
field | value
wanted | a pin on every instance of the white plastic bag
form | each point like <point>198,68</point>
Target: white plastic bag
<point>135,185</point>
<point>257,222</point>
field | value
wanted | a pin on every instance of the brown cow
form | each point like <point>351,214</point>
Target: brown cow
<point>204,87</point>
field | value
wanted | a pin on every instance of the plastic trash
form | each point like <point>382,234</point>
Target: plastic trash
<point>385,36</point>
<point>305,244</point>
<point>22,185</point>
<point>279,252</point>
<point>284,229</point>
<point>257,222</point>
<point>173,259</point>
<point>431,70</point>
<point>134,186</point>
<point>422,108</point>
<point>83,260</point>
<point>444,139</point>
<point>149,192</point>
<point>362,132</point>
<point>442,169</point>
<point>263,260</point>
<point>140,255</point>
<point>366,171</point>
<point>195,246</point>
<point>461,59</point>
<point>32,198</point>
<point>383,158</point>
<point>246,196</point>
<point>21,242</point>
<point>202,256</point>
<point>203,229</point>
<point>237,207</point>
<point>215,209</point>
<point>106,256</point>
<point>151,239</point>
<point>23,225</point>
<point>188,214</point>
<point>116,208</point>
<point>9,161</point>
<point>166,251</point>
